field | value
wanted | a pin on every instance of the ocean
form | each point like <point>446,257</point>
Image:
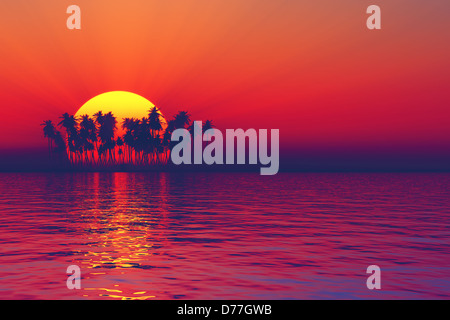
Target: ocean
<point>224,235</point>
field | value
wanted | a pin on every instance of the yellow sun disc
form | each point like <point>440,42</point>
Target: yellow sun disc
<point>122,104</point>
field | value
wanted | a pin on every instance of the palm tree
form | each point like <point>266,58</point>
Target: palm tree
<point>182,119</point>
<point>207,125</point>
<point>106,133</point>
<point>166,142</point>
<point>131,125</point>
<point>156,125</point>
<point>120,143</point>
<point>154,121</point>
<point>88,136</point>
<point>49,133</point>
<point>143,139</point>
<point>98,117</point>
<point>70,123</point>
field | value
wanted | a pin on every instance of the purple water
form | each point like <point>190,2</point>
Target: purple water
<point>224,236</point>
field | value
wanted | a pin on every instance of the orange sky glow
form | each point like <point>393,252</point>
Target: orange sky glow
<point>309,68</point>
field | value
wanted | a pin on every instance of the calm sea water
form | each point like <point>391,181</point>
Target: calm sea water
<point>224,236</point>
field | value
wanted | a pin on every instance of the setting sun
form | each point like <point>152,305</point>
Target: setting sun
<point>122,104</point>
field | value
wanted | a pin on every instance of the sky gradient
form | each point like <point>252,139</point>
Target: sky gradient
<point>343,96</point>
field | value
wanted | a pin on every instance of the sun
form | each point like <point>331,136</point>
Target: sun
<point>122,104</point>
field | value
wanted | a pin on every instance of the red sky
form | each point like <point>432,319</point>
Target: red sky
<point>312,69</point>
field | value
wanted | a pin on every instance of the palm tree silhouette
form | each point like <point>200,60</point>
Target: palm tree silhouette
<point>154,121</point>
<point>70,123</point>
<point>145,142</point>
<point>120,143</point>
<point>49,133</point>
<point>130,127</point>
<point>88,137</point>
<point>207,125</point>
<point>156,125</point>
<point>98,117</point>
<point>182,119</point>
<point>106,133</point>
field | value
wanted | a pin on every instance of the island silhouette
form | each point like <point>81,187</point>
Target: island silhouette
<point>93,142</point>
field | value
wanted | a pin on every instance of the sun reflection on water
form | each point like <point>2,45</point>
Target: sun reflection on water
<point>119,238</point>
